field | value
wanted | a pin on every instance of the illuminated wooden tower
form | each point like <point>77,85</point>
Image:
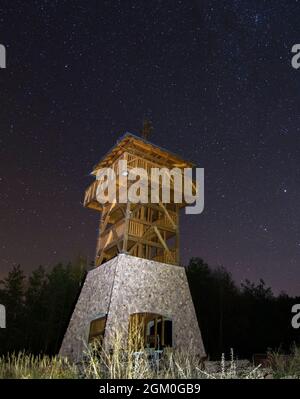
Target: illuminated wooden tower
<point>137,276</point>
<point>149,230</point>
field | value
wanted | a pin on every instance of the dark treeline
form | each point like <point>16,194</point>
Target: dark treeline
<point>249,319</point>
<point>39,307</point>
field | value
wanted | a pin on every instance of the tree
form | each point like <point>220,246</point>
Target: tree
<point>62,289</point>
<point>35,310</point>
<point>215,295</point>
<point>249,319</point>
<point>12,297</point>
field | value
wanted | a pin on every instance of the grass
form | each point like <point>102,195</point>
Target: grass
<point>285,366</point>
<point>116,362</point>
<point>24,366</point>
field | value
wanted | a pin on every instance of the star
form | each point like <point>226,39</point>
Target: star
<point>208,71</point>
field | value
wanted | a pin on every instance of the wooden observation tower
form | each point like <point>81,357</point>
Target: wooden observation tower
<point>146,230</point>
<point>137,279</point>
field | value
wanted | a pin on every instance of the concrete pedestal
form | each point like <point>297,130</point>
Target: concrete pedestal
<point>126,285</point>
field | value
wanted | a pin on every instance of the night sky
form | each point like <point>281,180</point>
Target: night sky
<point>215,78</point>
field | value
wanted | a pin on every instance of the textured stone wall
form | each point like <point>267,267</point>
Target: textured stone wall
<point>127,285</point>
<point>92,303</point>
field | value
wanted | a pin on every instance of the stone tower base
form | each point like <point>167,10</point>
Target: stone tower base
<point>126,285</point>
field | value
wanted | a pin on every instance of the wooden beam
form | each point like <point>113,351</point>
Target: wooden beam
<point>163,243</point>
<point>177,237</point>
<point>127,216</point>
<point>161,226</point>
<point>141,238</point>
<point>116,238</point>
<point>162,331</point>
<point>145,242</point>
<point>107,215</point>
<point>167,214</point>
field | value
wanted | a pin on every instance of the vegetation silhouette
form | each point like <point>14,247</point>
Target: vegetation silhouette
<point>250,318</point>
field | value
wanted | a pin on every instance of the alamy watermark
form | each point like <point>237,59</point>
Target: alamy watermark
<point>296,58</point>
<point>155,185</point>
<point>2,56</point>
<point>2,316</point>
<point>296,318</point>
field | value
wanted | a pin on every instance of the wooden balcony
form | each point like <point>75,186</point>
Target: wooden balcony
<point>138,232</point>
<point>90,200</point>
<point>133,161</point>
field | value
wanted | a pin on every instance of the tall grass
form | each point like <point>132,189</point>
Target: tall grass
<point>119,363</point>
<point>23,366</point>
<point>284,366</point>
<point>134,361</point>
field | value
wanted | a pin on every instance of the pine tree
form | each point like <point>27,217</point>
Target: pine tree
<point>12,292</point>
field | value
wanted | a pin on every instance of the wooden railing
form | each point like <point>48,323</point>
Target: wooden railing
<point>165,221</point>
<point>170,257</point>
<point>90,193</point>
<point>135,228</point>
<point>133,161</point>
<point>111,234</point>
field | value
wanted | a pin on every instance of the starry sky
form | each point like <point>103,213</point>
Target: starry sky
<point>216,80</point>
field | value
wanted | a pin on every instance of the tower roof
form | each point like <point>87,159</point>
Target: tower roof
<point>131,142</point>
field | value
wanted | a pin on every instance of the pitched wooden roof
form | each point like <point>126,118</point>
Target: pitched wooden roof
<point>130,142</point>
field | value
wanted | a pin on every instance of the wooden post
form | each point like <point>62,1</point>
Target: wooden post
<point>177,236</point>
<point>99,238</point>
<point>155,332</point>
<point>127,217</point>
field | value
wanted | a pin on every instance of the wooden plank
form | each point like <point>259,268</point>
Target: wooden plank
<point>116,238</point>
<point>167,214</point>
<point>162,331</point>
<point>163,243</point>
<point>157,222</point>
<point>177,237</point>
<point>127,216</point>
<point>145,242</point>
<point>140,239</point>
<point>107,216</point>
